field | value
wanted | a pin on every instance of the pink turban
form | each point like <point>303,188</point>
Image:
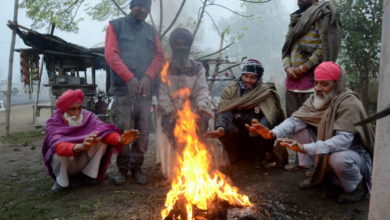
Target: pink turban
<point>327,71</point>
<point>68,98</point>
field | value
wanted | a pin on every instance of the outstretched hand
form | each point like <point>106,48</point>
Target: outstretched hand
<point>292,145</point>
<point>261,130</point>
<point>128,136</point>
<point>215,134</point>
<point>202,111</point>
<point>88,142</point>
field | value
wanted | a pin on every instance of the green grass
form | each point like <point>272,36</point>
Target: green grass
<point>24,137</point>
<point>28,196</point>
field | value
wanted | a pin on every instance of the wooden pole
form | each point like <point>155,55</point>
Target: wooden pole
<point>380,194</point>
<point>10,69</point>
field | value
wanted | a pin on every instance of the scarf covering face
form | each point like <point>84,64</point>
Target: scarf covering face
<point>331,35</point>
<point>343,110</point>
<point>57,131</point>
<point>244,89</point>
<point>264,96</point>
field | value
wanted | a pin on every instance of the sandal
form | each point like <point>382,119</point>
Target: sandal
<point>310,172</point>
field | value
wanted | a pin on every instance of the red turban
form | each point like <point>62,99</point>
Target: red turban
<point>327,71</point>
<point>68,98</point>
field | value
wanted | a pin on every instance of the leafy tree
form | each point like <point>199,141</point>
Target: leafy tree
<point>61,12</point>
<point>360,53</point>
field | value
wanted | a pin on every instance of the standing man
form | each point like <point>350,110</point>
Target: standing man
<point>183,73</point>
<point>314,36</point>
<point>134,53</point>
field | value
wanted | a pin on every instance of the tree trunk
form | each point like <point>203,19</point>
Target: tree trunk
<point>217,64</point>
<point>200,17</point>
<point>380,194</point>
<point>10,69</point>
<point>161,18</point>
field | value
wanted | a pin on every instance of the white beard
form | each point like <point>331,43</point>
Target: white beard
<point>321,102</point>
<point>73,120</point>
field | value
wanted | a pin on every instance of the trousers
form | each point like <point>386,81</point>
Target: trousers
<point>128,110</point>
<point>87,162</point>
<point>347,167</point>
<point>237,143</point>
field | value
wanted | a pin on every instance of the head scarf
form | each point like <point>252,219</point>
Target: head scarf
<point>327,71</point>
<point>180,33</point>
<point>251,67</point>
<point>68,98</point>
<point>147,4</point>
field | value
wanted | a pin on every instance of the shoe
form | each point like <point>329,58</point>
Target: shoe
<point>165,182</point>
<point>305,184</point>
<point>257,163</point>
<point>292,166</point>
<point>138,175</point>
<point>56,188</point>
<point>310,172</point>
<point>90,181</point>
<point>295,166</point>
<point>352,197</point>
<point>120,176</point>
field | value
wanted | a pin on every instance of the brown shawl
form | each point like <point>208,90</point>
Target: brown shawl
<point>264,96</point>
<point>344,109</point>
<point>300,24</point>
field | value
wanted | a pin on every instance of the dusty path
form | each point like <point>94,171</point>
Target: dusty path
<point>25,187</point>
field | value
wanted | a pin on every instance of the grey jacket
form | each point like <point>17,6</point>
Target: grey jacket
<point>191,75</point>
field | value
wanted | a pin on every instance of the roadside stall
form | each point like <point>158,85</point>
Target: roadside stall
<point>66,65</point>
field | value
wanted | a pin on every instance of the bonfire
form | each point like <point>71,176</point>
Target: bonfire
<point>196,184</point>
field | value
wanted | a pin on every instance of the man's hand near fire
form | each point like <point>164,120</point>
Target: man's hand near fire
<point>261,130</point>
<point>215,134</point>
<point>128,136</point>
<point>88,142</point>
<point>202,111</point>
<point>292,145</point>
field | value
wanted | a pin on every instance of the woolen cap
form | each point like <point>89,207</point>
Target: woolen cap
<point>253,67</point>
<point>143,3</point>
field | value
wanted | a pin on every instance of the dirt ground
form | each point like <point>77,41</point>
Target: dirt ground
<point>25,186</point>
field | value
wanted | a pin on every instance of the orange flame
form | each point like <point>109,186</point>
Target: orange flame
<point>164,72</point>
<point>195,180</point>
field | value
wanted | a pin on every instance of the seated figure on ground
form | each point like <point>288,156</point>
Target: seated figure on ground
<point>183,73</point>
<point>323,134</point>
<point>244,101</point>
<point>78,143</point>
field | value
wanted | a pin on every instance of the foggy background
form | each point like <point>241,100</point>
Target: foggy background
<point>260,37</point>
